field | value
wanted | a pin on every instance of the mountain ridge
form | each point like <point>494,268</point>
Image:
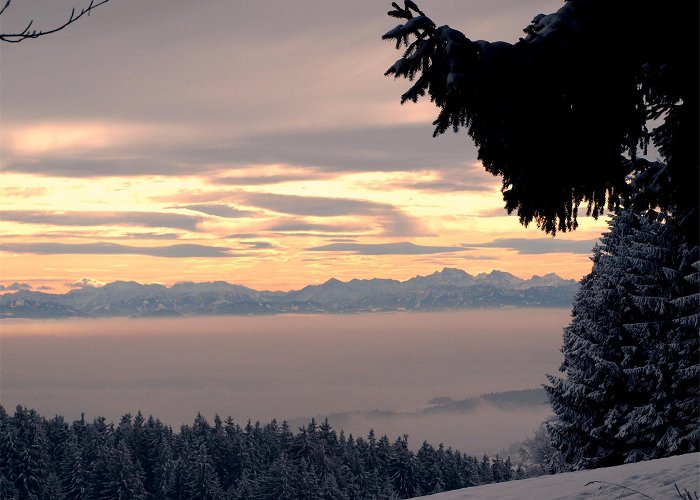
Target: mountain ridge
<point>447,289</point>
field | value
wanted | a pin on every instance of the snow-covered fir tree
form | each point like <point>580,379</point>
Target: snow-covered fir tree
<point>630,352</point>
<point>201,480</point>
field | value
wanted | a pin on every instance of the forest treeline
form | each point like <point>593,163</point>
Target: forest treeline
<point>143,458</point>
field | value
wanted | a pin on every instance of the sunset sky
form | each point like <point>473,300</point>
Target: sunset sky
<point>255,142</point>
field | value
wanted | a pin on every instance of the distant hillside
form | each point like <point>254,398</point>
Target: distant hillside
<point>507,400</point>
<point>447,289</point>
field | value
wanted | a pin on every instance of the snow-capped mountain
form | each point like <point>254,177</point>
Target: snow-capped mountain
<point>447,289</point>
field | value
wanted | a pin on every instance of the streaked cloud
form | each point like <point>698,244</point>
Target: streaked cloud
<point>147,219</point>
<point>51,138</point>
<point>22,191</point>
<point>393,221</point>
<point>84,283</point>
<point>494,212</point>
<point>538,245</point>
<point>71,164</point>
<point>101,248</point>
<point>321,153</point>
<point>347,149</point>
<point>402,248</point>
<point>152,236</point>
<point>15,287</point>
<point>193,196</point>
<point>312,205</point>
<point>243,236</point>
<point>318,235</point>
<point>260,180</point>
<point>259,245</point>
<point>303,226</point>
<point>467,178</point>
<point>81,233</point>
<point>396,223</point>
<point>218,210</point>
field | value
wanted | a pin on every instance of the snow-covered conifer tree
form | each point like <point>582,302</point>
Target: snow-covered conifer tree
<point>627,344</point>
<point>124,478</point>
<point>202,481</point>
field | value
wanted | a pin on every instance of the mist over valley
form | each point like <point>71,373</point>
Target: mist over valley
<point>401,372</point>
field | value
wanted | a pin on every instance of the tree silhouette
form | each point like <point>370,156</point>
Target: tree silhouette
<point>563,114</point>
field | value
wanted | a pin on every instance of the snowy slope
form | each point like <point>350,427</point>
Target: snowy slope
<point>654,478</point>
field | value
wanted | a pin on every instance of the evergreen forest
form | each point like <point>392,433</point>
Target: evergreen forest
<point>143,458</point>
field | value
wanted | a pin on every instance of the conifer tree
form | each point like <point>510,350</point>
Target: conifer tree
<point>124,479</point>
<point>279,481</point>
<point>306,485</point>
<point>471,472</point>
<point>244,489</point>
<point>25,451</point>
<point>538,455</point>
<point>429,474</point>
<point>329,489</point>
<point>74,472</point>
<point>570,132</point>
<point>452,477</point>
<point>162,484</point>
<point>179,485</point>
<point>57,433</point>
<point>629,353</point>
<point>402,469</point>
<point>7,488</point>
<point>202,482</point>
<point>53,490</point>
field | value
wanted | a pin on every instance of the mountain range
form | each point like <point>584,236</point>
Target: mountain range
<point>447,289</point>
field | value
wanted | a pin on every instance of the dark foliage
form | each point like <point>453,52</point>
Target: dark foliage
<point>141,458</point>
<point>562,114</point>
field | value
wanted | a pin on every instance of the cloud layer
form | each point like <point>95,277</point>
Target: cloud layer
<point>170,251</point>
<point>147,219</point>
<point>218,210</point>
<point>402,248</point>
<point>538,245</point>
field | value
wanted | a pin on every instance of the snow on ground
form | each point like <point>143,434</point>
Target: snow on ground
<point>653,479</point>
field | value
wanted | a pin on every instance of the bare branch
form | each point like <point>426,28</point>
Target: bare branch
<point>686,494</point>
<point>620,486</point>
<point>29,33</point>
<point>7,4</point>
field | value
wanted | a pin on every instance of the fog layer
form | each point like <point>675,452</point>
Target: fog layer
<point>291,367</point>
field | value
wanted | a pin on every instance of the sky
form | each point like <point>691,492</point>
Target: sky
<point>252,142</point>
